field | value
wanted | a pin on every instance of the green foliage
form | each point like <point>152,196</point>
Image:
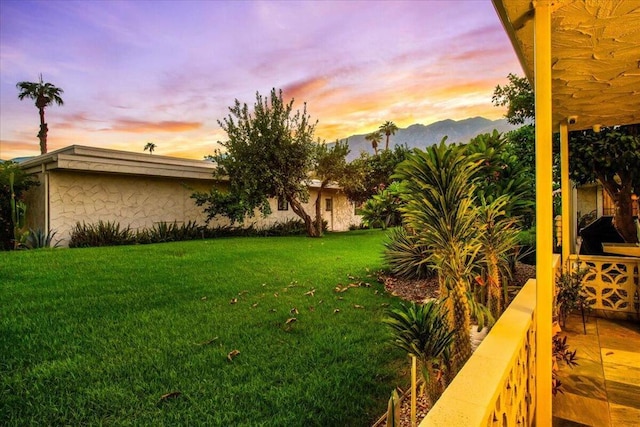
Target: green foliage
<point>374,138</point>
<point>38,239</point>
<point>101,234</point>
<point>611,157</point>
<point>11,201</point>
<point>269,154</point>
<point>367,174</point>
<point>503,173</point>
<point>406,257</point>
<point>439,187</point>
<point>420,330</point>
<point>102,333</point>
<point>382,210</point>
<point>570,293</point>
<point>518,96</point>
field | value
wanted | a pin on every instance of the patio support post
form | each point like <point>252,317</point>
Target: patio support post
<point>544,209</point>
<point>567,195</point>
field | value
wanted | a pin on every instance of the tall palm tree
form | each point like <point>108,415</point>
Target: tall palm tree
<point>44,94</point>
<point>150,147</point>
<point>388,128</point>
<point>374,138</point>
<point>440,209</point>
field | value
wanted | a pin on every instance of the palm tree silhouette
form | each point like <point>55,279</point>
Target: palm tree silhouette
<point>388,128</point>
<point>44,94</point>
<point>150,146</point>
<point>374,138</point>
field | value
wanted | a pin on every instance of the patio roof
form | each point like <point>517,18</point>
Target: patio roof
<point>595,57</point>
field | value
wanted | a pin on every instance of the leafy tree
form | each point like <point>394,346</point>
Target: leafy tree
<point>439,208</point>
<point>150,146</point>
<point>330,166</point>
<point>519,98</point>
<point>367,174</point>
<point>269,154</point>
<point>44,94</point>
<point>374,138</point>
<point>382,210</point>
<point>388,128</point>
<point>21,183</point>
<point>612,157</point>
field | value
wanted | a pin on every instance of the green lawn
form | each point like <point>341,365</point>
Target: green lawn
<point>98,336</point>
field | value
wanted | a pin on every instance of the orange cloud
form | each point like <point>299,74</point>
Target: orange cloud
<point>141,126</point>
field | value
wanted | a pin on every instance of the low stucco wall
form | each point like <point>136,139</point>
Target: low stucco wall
<point>141,201</point>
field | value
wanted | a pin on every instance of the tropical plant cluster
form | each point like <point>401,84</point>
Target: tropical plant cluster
<point>14,183</point>
<point>461,208</point>
<point>111,233</point>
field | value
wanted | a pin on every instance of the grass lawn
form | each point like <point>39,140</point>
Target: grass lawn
<point>98,336</point>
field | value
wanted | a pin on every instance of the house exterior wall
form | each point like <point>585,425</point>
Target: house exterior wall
<point>142,201</point>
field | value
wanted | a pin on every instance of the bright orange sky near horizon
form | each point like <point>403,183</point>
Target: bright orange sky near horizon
<point>136,71</point>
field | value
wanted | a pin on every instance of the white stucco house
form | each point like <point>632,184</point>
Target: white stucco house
<point>79,183</point>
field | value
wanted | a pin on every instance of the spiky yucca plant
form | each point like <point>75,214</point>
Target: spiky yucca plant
<point>499,239</point>
<point>405,256</point>
<point>421,330</point>
<point>439,196</point>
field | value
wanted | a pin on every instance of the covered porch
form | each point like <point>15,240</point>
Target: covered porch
<point>583,59</point>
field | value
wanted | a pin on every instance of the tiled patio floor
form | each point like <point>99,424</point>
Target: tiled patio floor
<point>604,389</point>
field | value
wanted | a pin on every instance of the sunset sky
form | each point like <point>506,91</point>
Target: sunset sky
<point>166,72</point>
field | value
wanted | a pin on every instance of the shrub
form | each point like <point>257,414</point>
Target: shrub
<point>406,257</point>
<point>36,239</point>
<point>100,234</point>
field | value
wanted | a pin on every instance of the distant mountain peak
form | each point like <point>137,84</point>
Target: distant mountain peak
<point>421,136</point>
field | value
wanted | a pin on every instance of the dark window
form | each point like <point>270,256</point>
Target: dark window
<point>283,205</point>
<point>328,205</point>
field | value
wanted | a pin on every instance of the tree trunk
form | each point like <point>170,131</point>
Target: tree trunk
<point>494,286</point>
<point>623,216</point>
<point>42,135</point>
<point>386,146</point>
<point>318,221</point>
<point>459,319</point>
<point>309,225</point>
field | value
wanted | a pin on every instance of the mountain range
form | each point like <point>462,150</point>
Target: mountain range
<point>421,136</point>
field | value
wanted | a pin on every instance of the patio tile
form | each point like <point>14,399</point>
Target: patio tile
<point>581,410</point>
<point>624,394</point>
<point>624,416</point>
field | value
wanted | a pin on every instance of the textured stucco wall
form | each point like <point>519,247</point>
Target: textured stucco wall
<point>141,201</point>
<point>134,201</point>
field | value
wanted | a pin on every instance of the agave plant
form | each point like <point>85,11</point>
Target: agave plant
<point>37,239</point>
<point>421,330</point>
<point>439,207</point>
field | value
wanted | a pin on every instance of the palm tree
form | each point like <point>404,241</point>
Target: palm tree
<point>439,209</point>
<point>388,128</point>
<point>374,138</point>
<point>150,147</point>
<point>44,94</point>
<point>421,330</point>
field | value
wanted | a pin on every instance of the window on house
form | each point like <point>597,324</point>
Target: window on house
<point>283,205</point>
<point>328,205</point>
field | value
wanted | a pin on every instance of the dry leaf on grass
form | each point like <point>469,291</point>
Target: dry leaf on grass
<point>211,341</point>
<point>232,355</point>
<point>233,300</point>
<point>168,396</point>
<point>290,320</point>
